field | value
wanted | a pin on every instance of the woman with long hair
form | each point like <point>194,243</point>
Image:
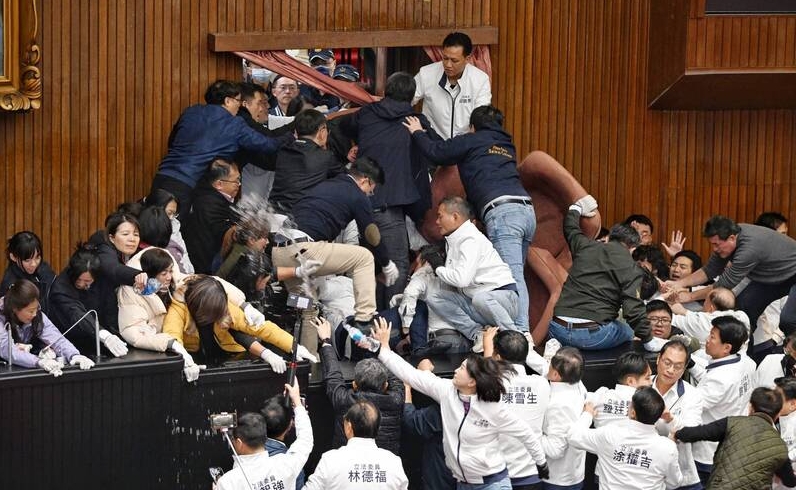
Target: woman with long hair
<point>26,261</point>
<point>472,415</point>
<point>165,200</point>
<point>202,318</point>
<point>72,296</point>
<point>37,343</point>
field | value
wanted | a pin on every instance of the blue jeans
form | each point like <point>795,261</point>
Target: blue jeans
<point>599,337</point>
<point>469,316</point>
<point>510,227</point>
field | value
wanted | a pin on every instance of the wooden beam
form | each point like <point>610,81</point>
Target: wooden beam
<point>220,42</point>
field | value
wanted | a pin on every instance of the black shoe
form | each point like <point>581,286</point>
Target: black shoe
<point>432,348</point>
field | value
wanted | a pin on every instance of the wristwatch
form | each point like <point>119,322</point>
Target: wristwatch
<point>325,342</point>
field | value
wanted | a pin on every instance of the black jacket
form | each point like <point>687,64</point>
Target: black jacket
<point>113,273</point>
<point>325,210</point>
<point>390,403</point>
<point>67,304</point>
<point>379,130</point>
<point>300,166</point>
<point>266,161</point>
<point>43,278</point>
<point>487,162</point>
<point>210,217</point>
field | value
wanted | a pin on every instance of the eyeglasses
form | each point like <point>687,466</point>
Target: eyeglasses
<point>287,88</point>
<point>677,366</point>
<point>233,182</point>
<point>660,320</point>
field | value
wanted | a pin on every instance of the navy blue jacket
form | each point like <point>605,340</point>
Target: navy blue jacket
<point>487,162</point>
<point>300,166</point>
<point>378,129</point>
<point>426,423</point>
<point>204,132</point>
<point>210,217</point>
<point>327,208</point>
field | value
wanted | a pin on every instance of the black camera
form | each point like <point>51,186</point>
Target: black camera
<point>298,301</point>
<point>223,420</point>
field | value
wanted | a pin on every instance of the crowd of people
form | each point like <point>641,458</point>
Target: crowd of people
<point>327,206</point>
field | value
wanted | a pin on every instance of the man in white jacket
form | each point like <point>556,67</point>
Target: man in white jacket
<point>630,452</point>
<point>360,463</point>
<point>450,89</point>
<point>486,292</point>
<point>255,468</point>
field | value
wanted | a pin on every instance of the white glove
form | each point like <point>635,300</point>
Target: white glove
<point>84,362</point>
<point>253,315</point>
<point>396,300</point>
<point>390,273</point>
<point>308,268</point>
<point>114,344</point>
<point>588,205</point>
<point>190,368</point>
<point>276,362</point>
<point>302,354</point>
<point>51,366</point>
<point>655,344</point>
<point>47,353</point>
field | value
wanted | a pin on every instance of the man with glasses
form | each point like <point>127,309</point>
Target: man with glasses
<point>683,405</point>
<point>211,214</point>
<point>284,90</point>
<point>203,133</point>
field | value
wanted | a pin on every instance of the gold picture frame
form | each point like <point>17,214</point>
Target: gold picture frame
<point>20,56</point>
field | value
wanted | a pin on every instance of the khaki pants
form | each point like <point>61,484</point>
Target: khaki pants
<point>337,258</point>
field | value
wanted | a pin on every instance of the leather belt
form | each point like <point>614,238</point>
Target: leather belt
<point>511,200</point>
<point>283,241</point>
<point>566,324</point>
<point>442,332</point>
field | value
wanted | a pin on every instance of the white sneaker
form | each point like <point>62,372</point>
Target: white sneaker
<point>478,344</point>
<point>550,348</point>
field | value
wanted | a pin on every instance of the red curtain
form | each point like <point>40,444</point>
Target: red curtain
<point>480,56</point>
<point>281,62</point>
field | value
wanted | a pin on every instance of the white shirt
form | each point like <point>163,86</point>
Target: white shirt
<point>631,455</point>
<point>359,464</point>
<point>448,109</point>
<point>473,265</point>
<point>697,323</point>
<point>770,368</point>
<point>567,463</point>
<point>527,396</point>
<point>422,285</point>
<point>612,405</point>
<point>725,387</point>
<point>684,403</point>
<point>278,471</point>
<point>469,439</point>
<point>768,324</point>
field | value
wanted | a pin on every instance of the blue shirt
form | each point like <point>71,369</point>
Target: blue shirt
<point>205,132</point>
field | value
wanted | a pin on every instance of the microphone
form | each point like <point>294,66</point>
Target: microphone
<point>96,331</point>
<point>10,345</point>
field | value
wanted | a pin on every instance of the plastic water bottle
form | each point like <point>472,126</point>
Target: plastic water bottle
<point>152,287</point>
<point>361,339</point>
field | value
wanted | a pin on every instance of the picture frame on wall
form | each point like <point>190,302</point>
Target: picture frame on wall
<point>20,56</point>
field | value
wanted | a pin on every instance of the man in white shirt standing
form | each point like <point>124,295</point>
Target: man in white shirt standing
<point>719,302</point>
<point>486,292</point>
<point>450,89</point>
<point>612,405</point>
<point>259,470</point>
<point>360,463</point>
<point>526,395</point>
<point>630,452</point>
<point>683,405</point>
<point>725,384</point>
